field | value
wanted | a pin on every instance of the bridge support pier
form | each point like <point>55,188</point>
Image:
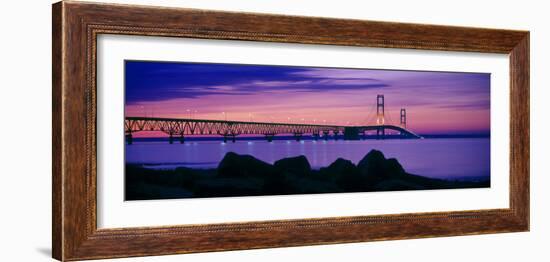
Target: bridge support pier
<point>380,133</point>
<point>298,136</point>
<point>325,134</point>
<point>229,135</point>
<point>129,138</point>
<point>171,139</point>
<point>351,133</point>
<point>182,139</point>
<point>269,137</point>
<point>316,136</point>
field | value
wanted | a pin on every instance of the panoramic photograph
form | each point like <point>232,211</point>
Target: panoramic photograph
<point>199,130</point>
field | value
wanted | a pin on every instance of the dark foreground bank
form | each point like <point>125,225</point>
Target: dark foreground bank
<point>244,175</point>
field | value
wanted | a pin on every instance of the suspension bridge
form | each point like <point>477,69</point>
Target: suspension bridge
<point>179,128</point>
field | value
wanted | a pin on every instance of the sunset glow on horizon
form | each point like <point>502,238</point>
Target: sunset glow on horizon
<point>435,102</point>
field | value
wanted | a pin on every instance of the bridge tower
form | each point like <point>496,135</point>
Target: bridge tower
<point>380,109</point>
<point>129,138</point>
<point>403,118</point>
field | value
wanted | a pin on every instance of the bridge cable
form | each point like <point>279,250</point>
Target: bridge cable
<point>370,117</point>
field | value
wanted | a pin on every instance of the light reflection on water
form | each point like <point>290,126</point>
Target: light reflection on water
<point>439,158</point>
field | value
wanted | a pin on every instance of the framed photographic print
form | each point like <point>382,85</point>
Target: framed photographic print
<point>249,130</point>
<point>181,130</point>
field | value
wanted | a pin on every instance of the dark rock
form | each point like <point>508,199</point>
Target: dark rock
<point>234,165</point>
<point>293,165</point>
<point>228,186</point>
<point>185,171</point>
<point>345,174</point>
<point>307,185</point>
<point>341,167</point>
<point>375,166</point>
<point>393,167</point>
<point>397,185</point>
<point>372,163</point>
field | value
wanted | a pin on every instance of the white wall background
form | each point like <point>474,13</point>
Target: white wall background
<point>25,146</point>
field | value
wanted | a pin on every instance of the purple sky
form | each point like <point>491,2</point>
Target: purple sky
<point>436,102</point>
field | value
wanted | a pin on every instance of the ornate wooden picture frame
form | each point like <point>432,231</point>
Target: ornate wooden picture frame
<point>76,26</point>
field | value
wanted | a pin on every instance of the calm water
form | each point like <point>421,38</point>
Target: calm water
<point>438,158</point>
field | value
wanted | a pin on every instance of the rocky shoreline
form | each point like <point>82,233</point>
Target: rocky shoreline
<point>244,175</point>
